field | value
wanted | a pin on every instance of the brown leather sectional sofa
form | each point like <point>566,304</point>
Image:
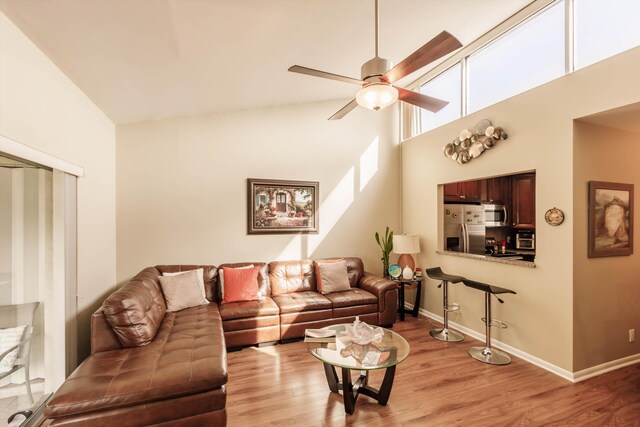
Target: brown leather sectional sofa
<point>153,367</point>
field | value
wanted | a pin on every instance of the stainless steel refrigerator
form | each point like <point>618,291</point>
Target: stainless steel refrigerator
<point>464,228</point>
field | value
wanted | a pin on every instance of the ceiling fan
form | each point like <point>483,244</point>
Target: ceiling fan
<point>379,74</point>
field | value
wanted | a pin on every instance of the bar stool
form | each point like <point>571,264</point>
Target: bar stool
<point>444,334</point>
<point>488,354</point>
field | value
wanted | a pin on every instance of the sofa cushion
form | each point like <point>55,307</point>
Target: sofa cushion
<point>136,310</point>
<point>201,409</point>
<point>332,276</point>
<point>187,356</point>
<point>355,296</point>
<point>291,276</point>
<point>240,310</point>
<point>301,301</point>
<point>9,338</point>
<point>210,276</point>
<point>182,290</point>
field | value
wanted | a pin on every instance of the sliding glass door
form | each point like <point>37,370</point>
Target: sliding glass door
<point>37,284</point>
<point>26,250</point>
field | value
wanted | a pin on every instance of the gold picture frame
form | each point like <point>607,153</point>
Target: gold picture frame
<point>610,219</point>
<point>282,207</point>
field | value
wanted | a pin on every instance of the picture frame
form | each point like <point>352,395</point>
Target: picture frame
<point>282,206</point>
<point>610,219</point>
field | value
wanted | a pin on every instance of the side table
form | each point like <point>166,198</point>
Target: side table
<point>409,284</point>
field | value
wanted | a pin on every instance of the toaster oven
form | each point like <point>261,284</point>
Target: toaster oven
<point>525,241</point>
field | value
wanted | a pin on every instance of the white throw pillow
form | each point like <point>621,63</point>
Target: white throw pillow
<point>199,272</point>
<point>10,337</point>
<point>221,278</point>
<point>182,291</point>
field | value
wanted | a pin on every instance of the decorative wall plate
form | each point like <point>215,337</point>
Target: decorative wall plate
<point>554,216</point>
<point>395,271</point>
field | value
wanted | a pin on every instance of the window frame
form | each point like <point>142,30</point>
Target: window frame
<point>411,117</point>
<point>503,35</point>
<point>419,111</point>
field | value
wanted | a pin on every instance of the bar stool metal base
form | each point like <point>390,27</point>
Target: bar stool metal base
<point>445,334</point>
<point>489,355</point>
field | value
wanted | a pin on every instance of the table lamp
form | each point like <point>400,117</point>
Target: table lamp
<point>405,245</point>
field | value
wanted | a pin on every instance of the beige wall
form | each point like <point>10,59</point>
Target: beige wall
<point>606,290</point>
<point>540,128</point>
<point>42,108</point>
<point>182,196</point>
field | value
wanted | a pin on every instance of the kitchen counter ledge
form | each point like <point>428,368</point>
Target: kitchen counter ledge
<point>517,262</point>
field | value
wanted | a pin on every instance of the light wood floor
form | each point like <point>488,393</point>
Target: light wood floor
<point>438,385</point>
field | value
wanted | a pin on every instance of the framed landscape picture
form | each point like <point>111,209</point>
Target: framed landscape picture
<point>280,207</point>
<point>610,219</point>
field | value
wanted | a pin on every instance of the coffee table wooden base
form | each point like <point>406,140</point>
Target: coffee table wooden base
<point>351,391</point>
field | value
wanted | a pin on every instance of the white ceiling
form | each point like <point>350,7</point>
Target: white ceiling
<point>153,59</point>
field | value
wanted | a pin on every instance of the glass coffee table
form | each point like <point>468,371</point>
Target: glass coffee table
<point>345,354</point>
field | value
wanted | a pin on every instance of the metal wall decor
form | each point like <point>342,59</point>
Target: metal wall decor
<point>470,145</point>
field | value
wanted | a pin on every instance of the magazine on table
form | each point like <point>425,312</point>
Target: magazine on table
<point>319,335</point>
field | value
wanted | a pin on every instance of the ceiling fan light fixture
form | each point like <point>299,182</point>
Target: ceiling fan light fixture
<point>377,96</point>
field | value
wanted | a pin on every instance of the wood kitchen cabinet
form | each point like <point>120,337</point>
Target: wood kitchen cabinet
<point>467,191</point>
<point>523,201</point>
<point>495,190</point>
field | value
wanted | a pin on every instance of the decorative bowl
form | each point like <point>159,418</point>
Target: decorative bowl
<point>361,333</point>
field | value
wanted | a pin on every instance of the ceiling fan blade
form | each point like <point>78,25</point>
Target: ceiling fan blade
<point>344,110</point>
<point>423,101</point>
<point>317,73</point>
<point>435,48</point>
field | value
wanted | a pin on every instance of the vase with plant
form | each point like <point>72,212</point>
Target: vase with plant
<point>386,244</point>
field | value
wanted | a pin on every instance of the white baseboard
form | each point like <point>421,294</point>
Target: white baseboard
<point>594,371</point>
<point>563,373</point>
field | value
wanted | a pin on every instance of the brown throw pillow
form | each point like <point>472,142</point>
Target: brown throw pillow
<point>182,291</point>
<point>332,276</point>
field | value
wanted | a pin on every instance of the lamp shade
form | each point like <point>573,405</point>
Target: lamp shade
<point>406,244</point>
<point>376,96</point>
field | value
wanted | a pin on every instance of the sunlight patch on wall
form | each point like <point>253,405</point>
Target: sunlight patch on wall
<point>293,250</point>
<point>369,163</point>
<point>332,209</point>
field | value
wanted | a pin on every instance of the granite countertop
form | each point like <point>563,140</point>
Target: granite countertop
<point>517,262</point>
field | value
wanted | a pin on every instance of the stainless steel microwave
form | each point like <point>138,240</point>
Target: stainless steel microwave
<point>495,215</point>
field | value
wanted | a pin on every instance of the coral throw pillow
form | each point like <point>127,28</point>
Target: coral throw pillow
<point>240,284</point>
<point>332,276</point>
<point>221,276</point>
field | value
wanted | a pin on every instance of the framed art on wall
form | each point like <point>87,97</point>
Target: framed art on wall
<point>610,219</point>
<point>282,207</point>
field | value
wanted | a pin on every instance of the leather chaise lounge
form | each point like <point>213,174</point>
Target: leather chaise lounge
<point>149,366</point>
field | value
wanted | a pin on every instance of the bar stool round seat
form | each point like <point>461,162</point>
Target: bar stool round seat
<point>444,333</point>
<point>487,354</point>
